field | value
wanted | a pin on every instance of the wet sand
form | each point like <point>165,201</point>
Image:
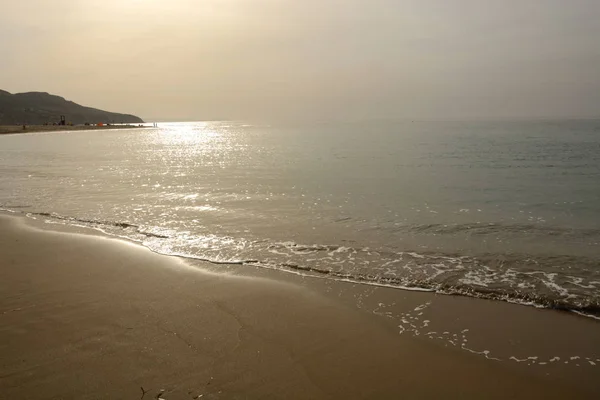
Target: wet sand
<point>13,129</point>
<point>91,317</point>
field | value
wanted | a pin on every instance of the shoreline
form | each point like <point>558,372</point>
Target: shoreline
<point>17,129</point>
<point>308,272</point>
<point>84,310</point>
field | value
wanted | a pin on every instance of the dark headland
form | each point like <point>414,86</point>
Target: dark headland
<point>40,108</point>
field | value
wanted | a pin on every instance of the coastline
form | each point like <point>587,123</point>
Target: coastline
<point>88,316</point>
<point>16,129</point>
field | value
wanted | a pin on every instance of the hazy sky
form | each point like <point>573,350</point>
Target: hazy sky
<point>273,59</point>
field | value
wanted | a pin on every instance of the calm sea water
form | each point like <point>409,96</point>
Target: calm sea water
<point>503,210</point>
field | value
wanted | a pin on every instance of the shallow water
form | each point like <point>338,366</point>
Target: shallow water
<point>505,210</point>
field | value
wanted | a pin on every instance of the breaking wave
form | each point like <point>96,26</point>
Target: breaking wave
<point>493,228</point>
<point>559,282</point>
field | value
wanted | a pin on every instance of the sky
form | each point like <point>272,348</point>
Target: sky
<point>308,59</point>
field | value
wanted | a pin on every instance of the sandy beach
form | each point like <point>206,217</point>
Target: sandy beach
<point>90,317</point>
<point>14,129</point>
<point>287,200</point>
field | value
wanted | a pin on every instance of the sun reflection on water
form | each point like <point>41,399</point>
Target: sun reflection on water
<point>199,133</point>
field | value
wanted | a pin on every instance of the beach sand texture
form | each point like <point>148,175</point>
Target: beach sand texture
<point>89,317</point>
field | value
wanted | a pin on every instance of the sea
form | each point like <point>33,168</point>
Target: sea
<point>502,210</point>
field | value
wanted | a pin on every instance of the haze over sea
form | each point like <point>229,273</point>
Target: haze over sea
<point>504,210</point>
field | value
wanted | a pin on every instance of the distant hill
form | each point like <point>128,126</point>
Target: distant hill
<point>36,108</point>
